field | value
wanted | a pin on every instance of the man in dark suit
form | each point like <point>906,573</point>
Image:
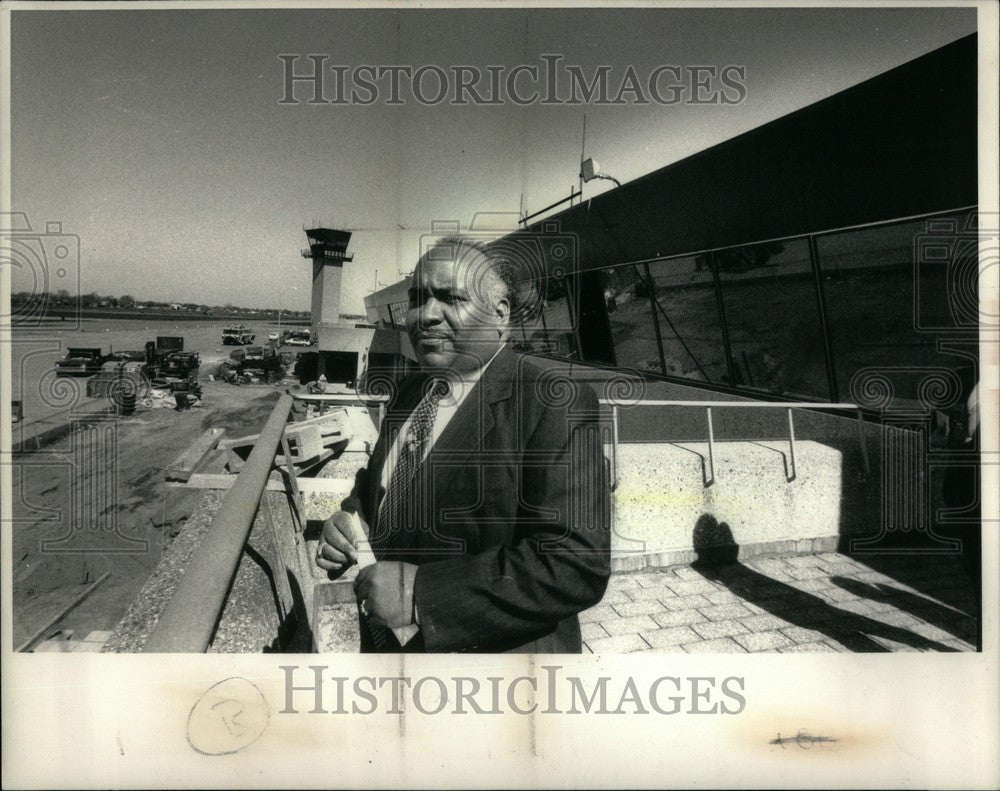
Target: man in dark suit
<point>487,489</point>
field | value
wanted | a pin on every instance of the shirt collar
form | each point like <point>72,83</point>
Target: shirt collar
<point>462,384</point>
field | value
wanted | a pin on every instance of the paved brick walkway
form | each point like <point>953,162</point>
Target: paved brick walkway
<point>807,603</point>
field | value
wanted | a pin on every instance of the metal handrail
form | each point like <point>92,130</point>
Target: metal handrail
<point>189,619</point>
<point>709,405</point>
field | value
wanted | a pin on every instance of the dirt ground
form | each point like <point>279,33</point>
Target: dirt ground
<point>97,502</point>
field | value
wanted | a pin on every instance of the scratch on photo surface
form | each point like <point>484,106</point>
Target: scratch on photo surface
<point>803,739</point>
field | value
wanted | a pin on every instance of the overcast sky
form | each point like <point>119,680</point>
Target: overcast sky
<point>158,137</point>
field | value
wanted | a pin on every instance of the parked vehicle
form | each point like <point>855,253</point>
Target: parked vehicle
<point>179,365</point>
<point>237,335</point>
<point>298,338</point>
<point>132,362</point>
<point>80,362</point>
<point>257,362</point>
<point>261,362</point>
<point>169,343</point>
<point>273,336</point>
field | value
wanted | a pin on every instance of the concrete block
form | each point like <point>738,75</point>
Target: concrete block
<point>85,646</point>
<point>652,593</point>
<point>799,634</point>
<point>622,644</point>
<point>612,596</point>
<point>724,612</point>
<point>667,507</point>
<point>764,641</point>
<point>632,609</point>
<point>685,602</point>
<point>670,637</point>
<point>629,582</point>
<point>592,631</point>
<point>710,630</point>
<point>724,645</point>
<point>764,623</point>
<point>600,613</point>
<point>689,587</point>
<point>633,625</point>
<point>808,648</point>
<point>722,597</point>
<point>678,617</point>
<point>54,647</point>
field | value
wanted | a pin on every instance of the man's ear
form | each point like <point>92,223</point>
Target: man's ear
<point>502,310</point>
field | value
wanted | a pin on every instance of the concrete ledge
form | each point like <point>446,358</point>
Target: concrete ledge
<point>662,498</point>
<point>667,509</point>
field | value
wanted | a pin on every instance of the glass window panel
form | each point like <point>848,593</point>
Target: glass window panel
<point>626,298</point>
<point>398,312</point>
<point>551,332</point>
<point>772,315</point>
<point>891,294</point>
<point>688,314</point>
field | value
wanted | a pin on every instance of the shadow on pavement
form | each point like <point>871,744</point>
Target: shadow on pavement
<point>957,623</point>
<point>717,561</point>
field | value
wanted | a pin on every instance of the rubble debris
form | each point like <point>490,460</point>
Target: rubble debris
<point>184,466</point>
<point>311,442</point>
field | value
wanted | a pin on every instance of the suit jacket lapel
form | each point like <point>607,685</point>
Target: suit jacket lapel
<point>463,437</point>
<point>461,440</point>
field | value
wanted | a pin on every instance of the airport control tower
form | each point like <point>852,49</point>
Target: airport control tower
<point>342,345</point>
<point>328,252</point>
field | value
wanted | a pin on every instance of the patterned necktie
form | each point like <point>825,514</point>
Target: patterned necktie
<point>399,498</point>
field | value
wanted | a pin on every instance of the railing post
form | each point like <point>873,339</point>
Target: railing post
<point>286,601</point>
<point>711,447</point>
<point>188,620</point>
<point>614,446</point>
<point>298,503</point>
<point>791,444</point>
<point>792,470</point>
<point>863,443</point>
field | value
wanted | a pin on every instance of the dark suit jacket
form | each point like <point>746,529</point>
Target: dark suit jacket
<point>511,531</point>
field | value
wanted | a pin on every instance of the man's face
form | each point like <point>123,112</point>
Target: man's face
<point>457,312</point>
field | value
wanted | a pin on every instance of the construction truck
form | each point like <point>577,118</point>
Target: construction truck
<point>237,335</point>
<point>179,365</point>
<point>80,362</point>
<point>253,363</point>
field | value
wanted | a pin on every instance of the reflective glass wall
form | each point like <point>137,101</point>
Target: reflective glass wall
<point>687,309</point>
<point>773,320</point>
<point>892,292</point>
<point>551,330</point>
<point>630,316</point>
<point>795,319</point>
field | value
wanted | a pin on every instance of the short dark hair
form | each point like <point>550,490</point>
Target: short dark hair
<point>517,283</point>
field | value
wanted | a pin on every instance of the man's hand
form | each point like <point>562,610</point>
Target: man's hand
<point>338,546</point>
<point>385,590</point>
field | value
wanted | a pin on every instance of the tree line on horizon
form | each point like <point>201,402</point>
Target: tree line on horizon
<point>128,302</point>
